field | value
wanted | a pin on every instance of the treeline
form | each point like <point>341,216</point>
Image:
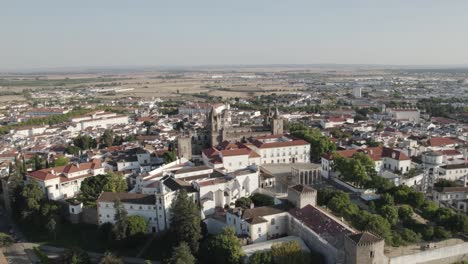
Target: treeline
<point>393,216</point>
<point>319,144</point>
<point>51,120</point>
<point>441,107</point>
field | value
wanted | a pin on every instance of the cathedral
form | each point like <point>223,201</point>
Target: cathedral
<point>220,128</point>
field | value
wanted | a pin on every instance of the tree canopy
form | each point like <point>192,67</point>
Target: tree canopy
<point>185,221</point>
<point>319,144</point>
<point>223,248</point>
<point>182,255</point>
<point>92,187</point>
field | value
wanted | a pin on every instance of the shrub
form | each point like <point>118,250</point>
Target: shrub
<point>405,212</point>
<point>243,202</point>
<point>262,200</point>
<point>409,235</point>
<point>441,233</point>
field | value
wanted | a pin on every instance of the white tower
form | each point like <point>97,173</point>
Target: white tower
<point>357,92</point>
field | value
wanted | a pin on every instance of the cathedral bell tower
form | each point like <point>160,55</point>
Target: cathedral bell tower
<point>277,126</point>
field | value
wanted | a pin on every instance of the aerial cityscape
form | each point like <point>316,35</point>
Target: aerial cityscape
<point>136,153</point>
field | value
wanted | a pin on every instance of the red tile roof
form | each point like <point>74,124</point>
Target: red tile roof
<point>440,141</point>
<point>56,172</point>
<point>319,222</point>
<point>375,153</point>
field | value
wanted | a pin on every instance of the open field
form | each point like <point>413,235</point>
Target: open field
<point>226,82</point>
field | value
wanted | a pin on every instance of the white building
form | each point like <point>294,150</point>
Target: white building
<point>224,191</point>
<point>281,149</point>
<point>99,119</point>
<point>410,115</point>
<point>385,159</point>
<point>28,131</point>
<point>453,172</point>
<point>134,203</point>
<point>65,181</point>
<point>44,112</point>
<point>357,92</point>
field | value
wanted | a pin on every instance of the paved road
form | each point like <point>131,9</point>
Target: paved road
<point>18,253</point>
<point>21,253</point>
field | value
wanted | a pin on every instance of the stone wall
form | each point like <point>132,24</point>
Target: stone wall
<point>89,216</point>
<point>315,242</point>
<point>441,255</point>
<point>215,226</point>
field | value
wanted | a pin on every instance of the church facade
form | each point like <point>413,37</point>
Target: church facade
<point>221,129</point>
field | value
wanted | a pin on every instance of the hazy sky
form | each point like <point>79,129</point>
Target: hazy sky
<point>48,34</point>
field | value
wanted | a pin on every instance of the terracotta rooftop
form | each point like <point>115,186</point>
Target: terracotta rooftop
<point>303,189</point>
<point>365,238</point>
<point>320,222</point>
<point>375,153</point>
<point>55,172</point>
<point>124,197</point>
<point>440,141</point>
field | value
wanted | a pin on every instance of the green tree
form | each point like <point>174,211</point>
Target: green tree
<point>110,258</point>
<point>92,187</point>
<point>416,199</point>
<point>38,162</point>
<point>60,161</point>
<point>409,235</point>
<point>136,226</point>
<point>75,256</point>
<point>324,196</point>
<point>319,144</point>
<point>73,150</point>
<point>359,169</point>
<point>84,142</point>
<point>405,212</point>
<point>243,202</point>
<point>380,126</point>
<point>441,233</point>
<point>107,138</point>
<point>148,125</point>
<point>380,226</point>
<point>32,196</point>
<point>387,199</point>
<point>169,156</point>
<point>223,248</point>
<point>261,257</point>
<point>121,224</point>
<point>182,255</point>
<point>259,199</point>
<point>115,183</point>
<point>445,183</point>
<point>458,223</point>
<point>185,221</point>
<point>5,240</point>
<point>429,209</point>
<point>51,227</point>
<point>390,213</point>
<point>290,252</point>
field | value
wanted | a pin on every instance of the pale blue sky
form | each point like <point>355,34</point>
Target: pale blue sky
<point>48,34</point>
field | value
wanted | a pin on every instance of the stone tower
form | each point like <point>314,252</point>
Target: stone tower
<point>184,147</point>
<point>301,196</point>
<point>215,128</point>
<point>277,124</point>
<point>364,248</point>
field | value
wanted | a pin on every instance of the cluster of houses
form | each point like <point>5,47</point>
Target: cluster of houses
<point>216,170</point>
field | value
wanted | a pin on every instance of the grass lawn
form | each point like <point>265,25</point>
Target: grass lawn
<point>83,236</point>
<point>159,249</point>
